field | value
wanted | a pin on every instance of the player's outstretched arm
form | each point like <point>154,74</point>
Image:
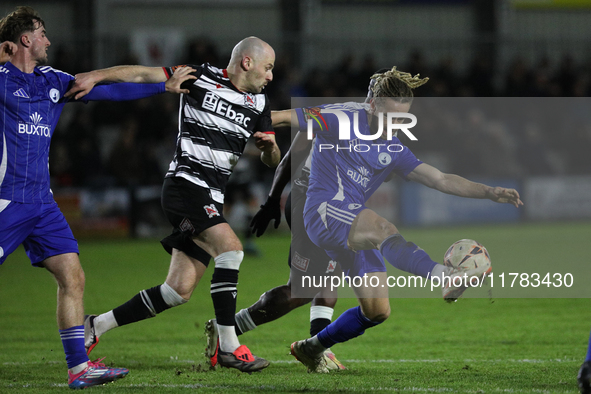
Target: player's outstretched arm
<point>458,186</point>
<point>7,51</point>
<point>133,91</point>
<point>265,142</point>
<point>284,118</point>
<point>84,82</point>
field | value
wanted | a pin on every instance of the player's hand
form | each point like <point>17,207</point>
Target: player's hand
<point>264,142</point>
<point>506,196</point>
<point>7,51</point>
<point>269,211</point>
<point>181,74</point>
<point>83,84</point>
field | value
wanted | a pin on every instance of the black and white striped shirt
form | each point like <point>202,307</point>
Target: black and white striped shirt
<point>215,121</point>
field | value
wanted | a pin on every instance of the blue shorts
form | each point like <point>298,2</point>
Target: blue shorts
<point>328,225</point>
<point>41,228</point>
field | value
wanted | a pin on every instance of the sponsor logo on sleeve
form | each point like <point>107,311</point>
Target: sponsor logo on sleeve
<point>187,226</point>
<point>300,262</point>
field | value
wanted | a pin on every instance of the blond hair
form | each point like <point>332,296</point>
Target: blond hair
<point>395,83</point>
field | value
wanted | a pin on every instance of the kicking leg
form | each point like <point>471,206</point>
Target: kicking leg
<point>183,276</point>
<point>371,231</point>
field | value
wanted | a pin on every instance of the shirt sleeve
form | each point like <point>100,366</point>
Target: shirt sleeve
<point>168,71</point>
<point>318,120</point>
<point>264,122</point>
<point>65,82</point>
<point>406,162</point>
<point>123,91</point>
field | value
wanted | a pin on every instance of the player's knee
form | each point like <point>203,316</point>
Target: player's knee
<point>72,286</point>
<point>71,281</point>
<point>386,229</point>
<point>378,315</point>
<point>229,260</point>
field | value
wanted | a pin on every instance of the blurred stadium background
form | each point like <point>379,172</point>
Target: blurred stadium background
<point>108,160</point>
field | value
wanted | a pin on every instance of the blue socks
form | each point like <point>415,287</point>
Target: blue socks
<point>349,325</point>
<point>407,256</point>
<point>73,341</point>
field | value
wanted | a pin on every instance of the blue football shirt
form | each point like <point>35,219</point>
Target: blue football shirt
<point>350,170</point>
<point>30,107</point>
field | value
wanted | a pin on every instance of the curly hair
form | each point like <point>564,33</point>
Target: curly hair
<point>21,20</point>
<point>395,83</point>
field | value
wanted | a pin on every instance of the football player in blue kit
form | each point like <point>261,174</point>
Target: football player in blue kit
<point>31,102</point>
<point>281,300</point>
<point>344,174</point>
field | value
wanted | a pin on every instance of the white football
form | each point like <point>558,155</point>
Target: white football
<point>466,254</point>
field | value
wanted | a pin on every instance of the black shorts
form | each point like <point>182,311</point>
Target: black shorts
<point>237,192</point>
<point>191,210</point>
<point>305,257</point>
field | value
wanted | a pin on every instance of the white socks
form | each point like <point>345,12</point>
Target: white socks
<point>228,339</point>
<point>244,321</point>
<point>439,270</point>
<point>320,312</point>
<point>104,323</point>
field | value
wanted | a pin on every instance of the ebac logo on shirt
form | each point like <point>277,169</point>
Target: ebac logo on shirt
<point>35,127</point>
<point>215,103</point>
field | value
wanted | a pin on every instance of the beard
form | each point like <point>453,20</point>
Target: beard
<point>42,61</point>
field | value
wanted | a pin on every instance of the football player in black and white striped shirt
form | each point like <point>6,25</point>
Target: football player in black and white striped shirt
<point>222,110</point>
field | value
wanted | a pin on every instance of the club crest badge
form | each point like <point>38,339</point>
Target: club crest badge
<point>211,210</point>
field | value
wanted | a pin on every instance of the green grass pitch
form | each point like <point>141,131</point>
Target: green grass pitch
<point>511,345</point>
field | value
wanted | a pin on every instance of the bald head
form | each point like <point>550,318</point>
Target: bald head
<point>252,47</point>
<point>251,65</point>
